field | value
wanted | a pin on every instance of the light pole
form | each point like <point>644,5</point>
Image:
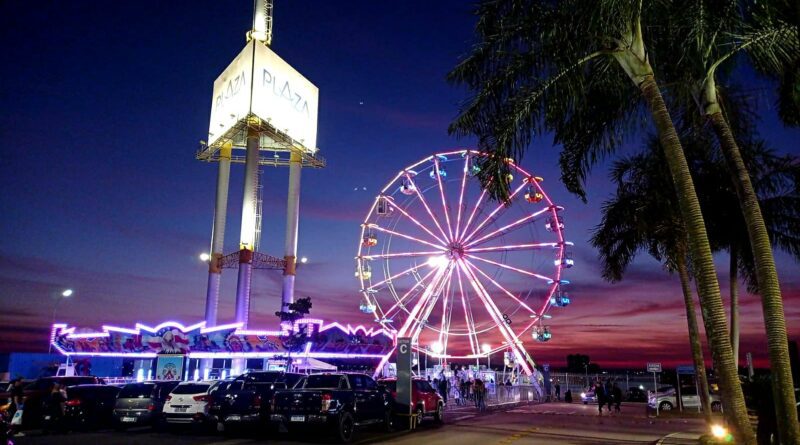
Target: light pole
<point>66,293</point>
<point>486,350</point>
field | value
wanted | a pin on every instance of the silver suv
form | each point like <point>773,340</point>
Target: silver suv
<point>667,399</point>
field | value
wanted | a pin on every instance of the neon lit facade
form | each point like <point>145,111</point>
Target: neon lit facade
<point>326,340</point>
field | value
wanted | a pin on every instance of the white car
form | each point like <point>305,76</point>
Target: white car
<point>188,403</point>
<point>667,399</point>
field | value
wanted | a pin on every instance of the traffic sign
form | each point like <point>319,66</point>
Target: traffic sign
<point>654,367</point>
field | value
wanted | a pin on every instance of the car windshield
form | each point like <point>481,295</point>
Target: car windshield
<point>391,385</point>
<point>322,381</point>
<point>136,391</point>
<point>191,388</point>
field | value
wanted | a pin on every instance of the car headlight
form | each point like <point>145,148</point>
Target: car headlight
<point>583,394</point>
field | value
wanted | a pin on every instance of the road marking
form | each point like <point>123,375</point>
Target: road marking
<point>516,436</point>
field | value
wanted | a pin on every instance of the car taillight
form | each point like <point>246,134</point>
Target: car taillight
<point>326,402</point>
<point>73,402</point>
<point>202,398</point>
<point>257,402</point>
<point>151,407</point>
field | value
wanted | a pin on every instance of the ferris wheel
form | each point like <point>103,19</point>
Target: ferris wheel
<point>460,275</point>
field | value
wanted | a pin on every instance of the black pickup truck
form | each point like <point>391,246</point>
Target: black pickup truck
<point>245,400</point>
<point>338,403</point>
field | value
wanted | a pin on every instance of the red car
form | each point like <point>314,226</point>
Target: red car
<point>426,402</point>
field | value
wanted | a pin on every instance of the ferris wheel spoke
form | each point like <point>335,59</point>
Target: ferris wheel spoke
<point>499,286</point>
<point>413,318</point>
<point>512,247</point>
<point>461,194</point>
<point>425,204</point>
<point>491,308</point>
<point>472,214</point>
<point>506,229</point>
<point>399,255</point>
<point>428,308</point>
<point>445,322</point>
<point>399,302</point>
<point>515,269</point>
<point>403,235</point>
<point>378,285</point>
<point>444,201</point>
<point>499,207</point>
<point>473,341</point>
<point>415,221</point>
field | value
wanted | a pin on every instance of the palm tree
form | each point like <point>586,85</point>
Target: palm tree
<point>568,67</point>
<point>716,32</point>
<point>642,215</point>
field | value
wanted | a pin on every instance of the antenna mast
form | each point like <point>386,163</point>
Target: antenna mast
<point>262,22</point>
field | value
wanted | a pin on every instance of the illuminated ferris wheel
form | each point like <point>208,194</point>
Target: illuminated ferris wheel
<point>460,275</point>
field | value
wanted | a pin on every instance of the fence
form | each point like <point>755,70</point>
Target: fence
<point>497,395</point>
<point>578,383</point>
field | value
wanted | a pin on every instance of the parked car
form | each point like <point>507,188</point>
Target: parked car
<point>667,399</point>
<point>141,403</point>
<point>89,406</point>
<point>425,401</point>
<point>339,402</point>
<point>36,392</point>
<point>588,396</point>
<point>245,399</point>
<point>636,395</point>
<point>188,403</point>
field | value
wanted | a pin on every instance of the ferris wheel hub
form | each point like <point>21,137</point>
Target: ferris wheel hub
<point>455,250</point>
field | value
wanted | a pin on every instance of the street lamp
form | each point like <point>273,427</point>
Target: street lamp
<point>486,350</point>
<point>204,257</point>
<point>303,260</point>
<point>66,293</point>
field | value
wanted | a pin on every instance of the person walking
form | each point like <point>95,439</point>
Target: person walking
<point>617,391</point>
<point>443,387</point>
<point>558,391</point>
<point>600,395</point>
<point>480,395</point>
<point>54,413</point>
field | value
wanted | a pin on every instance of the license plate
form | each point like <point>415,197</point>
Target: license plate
<point>129,419</point>
<point>180,410</point>
<point>233,418</point>
<point>297,419</point>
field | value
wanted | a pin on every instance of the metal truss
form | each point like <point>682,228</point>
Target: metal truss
<point>276,146</point>
<point>260,261</point>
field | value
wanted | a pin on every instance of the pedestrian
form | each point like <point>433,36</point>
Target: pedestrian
<point>480,395</point>
<point>54,408</point>
<point>617,391</point>
<point>568,396</point>
<point>17,394</point>
<point>600,395</point>
<point>558,391</point>
<point>443,388</point>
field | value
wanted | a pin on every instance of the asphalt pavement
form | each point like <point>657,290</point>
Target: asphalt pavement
<point>551,423</point>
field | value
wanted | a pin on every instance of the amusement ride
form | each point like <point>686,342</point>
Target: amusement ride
<point>441,263</point>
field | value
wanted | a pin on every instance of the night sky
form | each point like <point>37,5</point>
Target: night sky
<point>102,106</point>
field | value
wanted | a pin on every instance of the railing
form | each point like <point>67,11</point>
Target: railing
<point>498,395</point>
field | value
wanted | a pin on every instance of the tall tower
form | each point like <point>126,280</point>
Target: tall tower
<point>263,113</point>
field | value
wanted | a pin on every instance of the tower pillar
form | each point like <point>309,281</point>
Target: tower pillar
<point>248,227</point>
<point>292,222</point>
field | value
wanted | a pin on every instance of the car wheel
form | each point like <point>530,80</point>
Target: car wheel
<point>665,406</point>
<point>345,427</point>
<point>439,416</point>
<point>420,414</point>
<point>716,407</point>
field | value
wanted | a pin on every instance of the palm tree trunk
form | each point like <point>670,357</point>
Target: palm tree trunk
<point>734,285</point>
<point>710,298</point>
<point>768,285</point>
<point>694,338</point>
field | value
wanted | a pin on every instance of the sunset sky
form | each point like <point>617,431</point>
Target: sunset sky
<point>102,106</point>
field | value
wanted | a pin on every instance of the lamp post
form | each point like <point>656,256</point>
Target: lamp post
<point>66,293</point>
<point>487,350</point>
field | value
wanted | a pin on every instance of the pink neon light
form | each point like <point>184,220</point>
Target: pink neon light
<point>466,312</point>
<point>414,220</point>
<point>402,235</point>
<point>350,330</point>
<point>412,316</point>
<point>400,301</point>
<point>505,266</point>
<point>499,207</point>
<point>108,328</point>
<point>221,327</point>
<point>474,210</point>
<point>89,335</point>
<point>400,255</point>
<point>461,194</point>
<point>444,202</point>
<point>376,285</point>
<point>259,333</point>
<point>502,288</point>
<point>173,324</point>
<point>425,204</point>
<point>506,227</point>
<point>513,247</point>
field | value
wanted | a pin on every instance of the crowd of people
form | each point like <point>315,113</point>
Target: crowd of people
<point>607,394</point>
<point>464,388</point>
